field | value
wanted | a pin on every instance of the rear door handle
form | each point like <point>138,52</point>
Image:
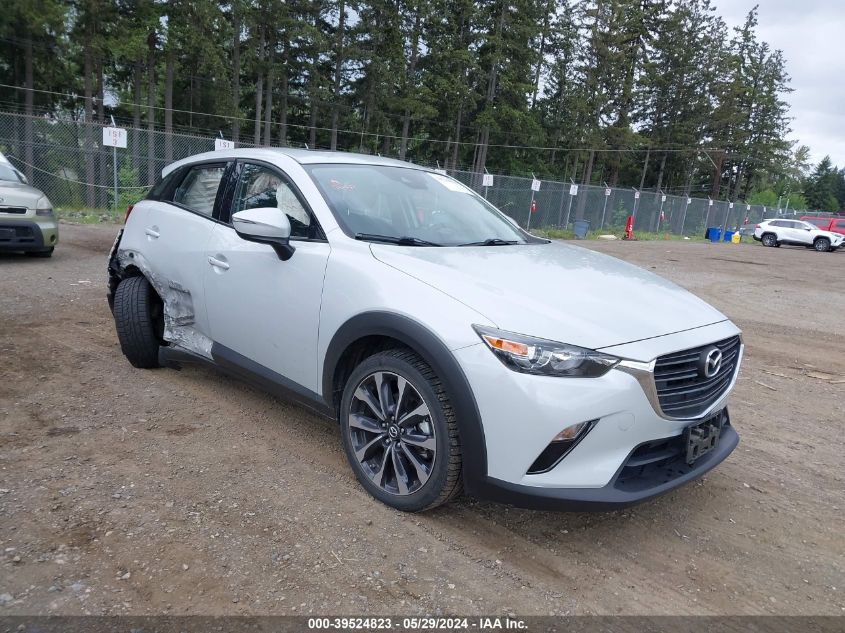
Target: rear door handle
<point>152,231</point>
<point>218,263</point>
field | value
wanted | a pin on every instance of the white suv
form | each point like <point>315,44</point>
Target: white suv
<point>797,233</point>
<point>456,351</point>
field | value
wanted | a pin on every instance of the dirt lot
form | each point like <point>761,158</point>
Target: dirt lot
<point>128,491</point>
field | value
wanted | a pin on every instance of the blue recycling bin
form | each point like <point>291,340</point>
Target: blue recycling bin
<point>714,233</point>
<point>728,235</point>
<point>581,228</point>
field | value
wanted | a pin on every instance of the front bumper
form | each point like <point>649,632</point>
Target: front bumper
<point>28,235</point>
<point>522,413</point>
<point>625,489</point>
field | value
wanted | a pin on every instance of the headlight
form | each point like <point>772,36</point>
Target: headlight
<point>43,206</point>
<point>531,355</point>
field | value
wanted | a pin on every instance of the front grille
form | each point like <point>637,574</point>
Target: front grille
<point>17,234</point>
<point>17,210</point>
<point>681,389</point>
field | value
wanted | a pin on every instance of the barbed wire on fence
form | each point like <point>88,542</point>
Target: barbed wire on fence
<point>68,161</point>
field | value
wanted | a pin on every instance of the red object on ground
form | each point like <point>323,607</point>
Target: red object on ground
<point>746,220</point>
<point>533,206</point>
<point>629,228</point>
<point>835,224</point>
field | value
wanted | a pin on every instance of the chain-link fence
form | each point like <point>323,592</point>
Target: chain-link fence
<point>68,161</point>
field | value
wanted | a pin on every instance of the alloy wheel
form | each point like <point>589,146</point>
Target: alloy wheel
<point>392,433</point>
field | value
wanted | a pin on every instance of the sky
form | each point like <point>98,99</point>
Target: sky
<point>810,34</point>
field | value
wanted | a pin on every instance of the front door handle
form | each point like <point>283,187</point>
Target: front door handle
<point>152,231</point>
<point>218,263</point>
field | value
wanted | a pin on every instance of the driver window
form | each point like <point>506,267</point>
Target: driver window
<point>260,186</point>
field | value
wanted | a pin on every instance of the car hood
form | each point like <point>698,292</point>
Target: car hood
<point>17,194</point>
<point>555,291</point>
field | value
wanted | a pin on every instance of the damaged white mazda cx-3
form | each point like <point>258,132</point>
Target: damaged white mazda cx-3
<point>457,351</point>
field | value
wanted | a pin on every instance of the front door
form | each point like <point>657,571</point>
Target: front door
<point>260,307</point>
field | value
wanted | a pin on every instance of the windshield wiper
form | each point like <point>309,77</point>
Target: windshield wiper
<point>405,240</point>
<point>493,241</point>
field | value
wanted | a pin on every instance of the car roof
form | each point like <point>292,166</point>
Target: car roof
<point>302,156</point>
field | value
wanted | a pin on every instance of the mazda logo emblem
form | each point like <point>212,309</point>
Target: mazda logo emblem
<point>711,362</point>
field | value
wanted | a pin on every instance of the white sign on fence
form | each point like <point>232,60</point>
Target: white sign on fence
<point>487,180</point>
<point>114,137</point>
<point>710,203</point>
<point>663,198</point>
<point>222,143</point>
<point>535,185</point>
<point>573,190</point>
<point>731,205</point>
<point>689,200</point>
<point>636,195</point>
<point>607,191</point>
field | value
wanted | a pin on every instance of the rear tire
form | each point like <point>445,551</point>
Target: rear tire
<point>769,239</point>
<point>139,319</point>
<point>399,432</point>
<point>822,244</point>
<point>45,253</point>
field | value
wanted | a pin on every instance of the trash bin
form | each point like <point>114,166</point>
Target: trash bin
<point>714,233</point>
<point>581,228</point>
<point>728,237</point>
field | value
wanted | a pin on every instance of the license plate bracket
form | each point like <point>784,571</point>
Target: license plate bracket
<point>703,437</point>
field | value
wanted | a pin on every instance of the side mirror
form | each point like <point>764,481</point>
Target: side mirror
<point>265,225</point>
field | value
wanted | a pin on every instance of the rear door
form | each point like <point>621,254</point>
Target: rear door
<point>177,228</point>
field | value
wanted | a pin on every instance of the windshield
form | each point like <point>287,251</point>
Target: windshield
<point>7,173</point>
<point>411,207</point>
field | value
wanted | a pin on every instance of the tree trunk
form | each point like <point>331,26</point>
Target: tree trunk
<point>104,154</point>
<point>88,89</point>
<point>151,113</point>
<point>338,68</point>
<point>542,52</point>
<point>410,85</point>
<point>29,94</point>
<point>268,105</point>
<point>168,103</point>
<point>456,150</point>
<point>484,140</point>
<point>259,88</point>
<point>136,116</point>
<point>236,73</point>
<point>585,180</point>
<point>283,106</point>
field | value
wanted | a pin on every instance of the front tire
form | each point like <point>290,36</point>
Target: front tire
<point>822,244</point>
<point>139,319</point>
<point>769,239</point>
<point>399,432</point>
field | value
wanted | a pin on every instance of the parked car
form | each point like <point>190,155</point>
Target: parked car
<point>457,351</point>
<point>834,224</point>
<point>796,233</point>
<point>27,221</point>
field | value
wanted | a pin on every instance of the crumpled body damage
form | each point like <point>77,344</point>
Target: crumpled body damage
<point>179,330</point>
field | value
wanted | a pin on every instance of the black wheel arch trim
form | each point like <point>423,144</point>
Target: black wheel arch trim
<point>438,356</point>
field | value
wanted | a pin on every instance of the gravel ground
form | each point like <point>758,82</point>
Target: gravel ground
<point>145,492</point>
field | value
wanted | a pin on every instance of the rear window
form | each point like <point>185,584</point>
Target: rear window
<point>198,190</point>
<point>161,190</point>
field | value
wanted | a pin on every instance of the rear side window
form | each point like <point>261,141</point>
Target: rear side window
<point>162,188</point>
<point>840,224</point>
<point>198,190</point>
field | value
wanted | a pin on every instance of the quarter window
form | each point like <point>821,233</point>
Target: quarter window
<point>198,190</point>
<point>261,186</point>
